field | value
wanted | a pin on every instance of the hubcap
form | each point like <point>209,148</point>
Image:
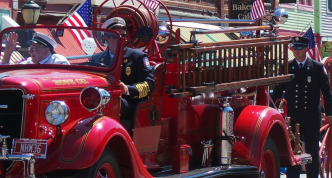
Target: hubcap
<point>105,171</point>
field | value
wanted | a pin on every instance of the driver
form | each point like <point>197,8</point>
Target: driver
<point>137,80</point>
<point>41,50</point>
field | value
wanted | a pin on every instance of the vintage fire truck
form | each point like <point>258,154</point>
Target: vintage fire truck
<point>208,115</point>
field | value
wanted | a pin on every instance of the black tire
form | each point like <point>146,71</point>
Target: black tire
<point>103,166</point>
<point>270,161</point>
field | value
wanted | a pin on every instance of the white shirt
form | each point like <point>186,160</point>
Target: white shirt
<point>303,62</point>
<point>50,59</point>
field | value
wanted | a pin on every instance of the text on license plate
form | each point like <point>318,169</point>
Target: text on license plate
<point>33,146</point>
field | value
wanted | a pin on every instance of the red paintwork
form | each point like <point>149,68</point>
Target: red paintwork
<point>164,123</point>
<point>253,126</point>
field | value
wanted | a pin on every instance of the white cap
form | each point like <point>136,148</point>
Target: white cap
<point>45,40</point>
<point>114,22</point>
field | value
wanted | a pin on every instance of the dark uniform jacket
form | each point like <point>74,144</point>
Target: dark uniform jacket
<point>136,72</point>
<point>303,92</point>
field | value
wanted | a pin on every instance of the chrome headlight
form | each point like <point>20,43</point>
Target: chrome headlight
<point>57,113</point>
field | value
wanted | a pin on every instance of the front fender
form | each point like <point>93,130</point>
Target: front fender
<point>253,126</point>
<point>83,143</point>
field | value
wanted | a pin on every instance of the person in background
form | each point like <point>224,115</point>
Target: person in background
<point>41,50</point>
<point>137,81</point>
<point>303,97</point>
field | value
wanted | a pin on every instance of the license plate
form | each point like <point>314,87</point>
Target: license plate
<point>36,147</point>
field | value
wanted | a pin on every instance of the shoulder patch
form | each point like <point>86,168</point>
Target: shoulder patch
<point>146,62</point>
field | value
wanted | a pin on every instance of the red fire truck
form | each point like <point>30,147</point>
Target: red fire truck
<point>208,115</point>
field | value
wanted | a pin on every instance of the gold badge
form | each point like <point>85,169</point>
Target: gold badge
<point>125,61</point>
<point>35,35</point>
<point>297,39</point>
<point>309,79</point>
<point>116,20</point>
<point>101,60</point>
<point>128,71</point>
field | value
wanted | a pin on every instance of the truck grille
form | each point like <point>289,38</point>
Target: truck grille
<point>11,117</point>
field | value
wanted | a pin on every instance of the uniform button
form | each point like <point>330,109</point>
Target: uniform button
<point>295,96</point>
<point>296,91</point>
<point>305,102</point>
<point>306,86</point>
<point>297,85</point>
<point>305,107</point>
<point>295,101</point>
<point>295,106</point>
<point>305,97</point>
<point>305,91</point>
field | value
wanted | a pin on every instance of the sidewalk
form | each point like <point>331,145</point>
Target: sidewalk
<point>301,176</point>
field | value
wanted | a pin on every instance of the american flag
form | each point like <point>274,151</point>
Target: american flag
<point>82,17</point>
<point>152,4</point>
<point>312,47</point>
<point>257,10</point>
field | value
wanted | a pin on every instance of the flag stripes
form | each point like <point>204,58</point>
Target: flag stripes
<point>257,10</point>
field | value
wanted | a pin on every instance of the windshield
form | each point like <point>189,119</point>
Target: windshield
<point>77,46</point>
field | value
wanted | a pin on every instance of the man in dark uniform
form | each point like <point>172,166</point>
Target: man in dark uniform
<point>137,80</point>
<point>303,98</point>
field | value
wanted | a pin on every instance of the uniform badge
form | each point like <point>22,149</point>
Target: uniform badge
<point>308,68</point>
<point>101,60</point>
<point>309,79</point>
<point>128,71</point>
<point>297,39</point>
<point>125,61</point>
<point>292,67</point>
<point>146,62</point>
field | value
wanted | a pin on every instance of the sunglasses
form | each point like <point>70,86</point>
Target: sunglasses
<point>298,47</point>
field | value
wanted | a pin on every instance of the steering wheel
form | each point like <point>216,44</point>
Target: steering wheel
<point>95,64</point>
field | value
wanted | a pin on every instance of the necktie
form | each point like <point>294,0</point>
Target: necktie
<point>301,65</point>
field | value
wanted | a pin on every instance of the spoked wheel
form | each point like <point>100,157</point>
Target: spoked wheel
<point>106,167</point>
<point>270,160</point>
<point>325,151</point>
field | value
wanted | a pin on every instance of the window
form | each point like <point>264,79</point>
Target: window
<point>329,5</point>
<point>306,2</point>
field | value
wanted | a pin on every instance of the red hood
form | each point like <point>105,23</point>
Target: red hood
<point>49,80</point>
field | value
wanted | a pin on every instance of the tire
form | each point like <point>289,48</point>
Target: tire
<point>270,161</point>
<point>106,166</point>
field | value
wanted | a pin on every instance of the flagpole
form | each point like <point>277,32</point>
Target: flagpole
<point>305,28</point>
<point>67,15</point>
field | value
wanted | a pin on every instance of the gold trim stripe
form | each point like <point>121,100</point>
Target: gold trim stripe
<point>258,124</point>
<point>143,89</point>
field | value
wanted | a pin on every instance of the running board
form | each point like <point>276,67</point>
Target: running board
<point>234,170</point>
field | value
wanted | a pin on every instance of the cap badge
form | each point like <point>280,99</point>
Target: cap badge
<point>128,71</point>
<point>125,61</point>
<point>101,60</point>
<point>309,79</point>
<point>297,39</point>
<point>116,20</point>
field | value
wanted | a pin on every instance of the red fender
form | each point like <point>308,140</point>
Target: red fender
<point>253,126</point>
<point>82,143</point>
